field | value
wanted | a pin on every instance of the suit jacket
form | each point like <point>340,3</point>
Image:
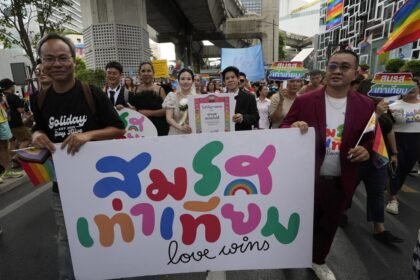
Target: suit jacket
<point>310,108</point>
<point>246,104</point>
<point>120,99</point>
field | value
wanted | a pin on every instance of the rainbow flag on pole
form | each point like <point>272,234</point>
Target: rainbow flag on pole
<point>38,165</point>
<point>380,157</point>
<point>406,26</point>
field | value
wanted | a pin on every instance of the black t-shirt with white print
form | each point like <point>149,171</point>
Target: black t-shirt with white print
<point>63,114</point>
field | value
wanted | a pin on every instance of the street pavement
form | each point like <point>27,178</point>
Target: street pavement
<point>28,251</point>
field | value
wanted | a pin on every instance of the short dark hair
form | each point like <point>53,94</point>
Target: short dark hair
<point>230,69</point>
<point>345,51</point>
<point>242,74</point>
<point>146,63</point>
<point>358,80</point>
<point>316,72</point>
<point>185,70</point>
<point>114,64</point>
<point>56,36</point>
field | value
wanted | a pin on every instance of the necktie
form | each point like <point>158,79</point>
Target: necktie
<point>111,96</point>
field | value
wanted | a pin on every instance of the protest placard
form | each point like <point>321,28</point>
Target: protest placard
<point>189,203</point>
<point>136,124</point>
<point>160,67</point>
<point>391,84</point>
<point>286,70</point>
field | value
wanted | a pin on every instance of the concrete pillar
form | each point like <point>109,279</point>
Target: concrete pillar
<point>270,23</point>
<point>115,30</point>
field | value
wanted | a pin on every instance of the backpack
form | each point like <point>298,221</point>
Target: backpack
<point>86,92</point>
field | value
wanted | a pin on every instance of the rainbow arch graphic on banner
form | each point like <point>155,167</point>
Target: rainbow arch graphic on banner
<point>240,185</point>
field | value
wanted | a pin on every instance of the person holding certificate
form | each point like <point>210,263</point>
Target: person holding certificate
<point>246,113</point>
<point>176,104</point>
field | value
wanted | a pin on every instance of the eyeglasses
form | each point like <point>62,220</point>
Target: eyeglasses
<point>342,67</point>
<point>49,60</point>
<point>242,80</point>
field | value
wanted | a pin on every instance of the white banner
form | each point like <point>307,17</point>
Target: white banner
<point>188,203</point>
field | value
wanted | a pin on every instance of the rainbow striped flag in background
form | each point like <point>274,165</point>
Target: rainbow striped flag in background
<point>406,26</point>
<point>380,157</point>
<point>38,165</point>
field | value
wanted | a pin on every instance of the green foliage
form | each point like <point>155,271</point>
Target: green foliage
<point>80,65</point>
<point>95,77</point>
<point>282,43</point>
<point>394,65</point>
<point>17,15</point>
<point>412,66</point>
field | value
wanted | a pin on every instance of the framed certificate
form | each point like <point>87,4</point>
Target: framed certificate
<point>211,112</point>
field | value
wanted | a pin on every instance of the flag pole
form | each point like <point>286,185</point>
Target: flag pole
<point>364,130</point>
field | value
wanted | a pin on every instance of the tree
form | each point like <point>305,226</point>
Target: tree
<point>95,77</point>
<point>412,66</point>
<point>17,17</point>
<point>394,65</point>
<point>282,43</point>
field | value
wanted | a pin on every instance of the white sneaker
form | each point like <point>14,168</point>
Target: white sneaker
<point>323,271</point>
<point>392,207</point>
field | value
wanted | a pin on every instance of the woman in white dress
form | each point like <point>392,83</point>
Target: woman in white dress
<point>176,118</point>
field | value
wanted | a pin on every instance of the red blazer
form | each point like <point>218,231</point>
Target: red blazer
<point>310,108</point>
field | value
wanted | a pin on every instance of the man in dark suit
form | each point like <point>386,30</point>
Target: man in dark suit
<point>117,94</point>
<point>339,117</point>
<point>246,112</point>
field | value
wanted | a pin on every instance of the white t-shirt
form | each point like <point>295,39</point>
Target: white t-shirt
<point>407,116</point>
<point>335,115</point>
<point>263,111</point>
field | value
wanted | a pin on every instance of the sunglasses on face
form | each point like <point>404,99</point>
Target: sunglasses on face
<point>342,67</point>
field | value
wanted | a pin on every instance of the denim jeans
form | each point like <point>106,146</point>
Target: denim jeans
<point>65,267</point>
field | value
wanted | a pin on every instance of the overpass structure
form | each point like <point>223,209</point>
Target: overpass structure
<point>117,29</point>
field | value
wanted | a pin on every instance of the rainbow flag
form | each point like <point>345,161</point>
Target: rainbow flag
<point>38,165</point>
<point>334,13</point>
<point>380,157</point>
<point>406,26</point>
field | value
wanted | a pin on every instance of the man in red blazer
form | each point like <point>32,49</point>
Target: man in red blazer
<point>339,117</point>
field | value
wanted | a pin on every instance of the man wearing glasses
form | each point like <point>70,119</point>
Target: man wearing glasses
<point>64,114</point>
<point>339,118</point>
<point>244,83</point>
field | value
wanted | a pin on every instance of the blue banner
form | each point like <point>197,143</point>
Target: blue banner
<point>248,60</point>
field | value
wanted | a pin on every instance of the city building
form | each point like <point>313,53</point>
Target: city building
<point>252,6</point>
<point>75,12</point>
<point>363,26</point>
<point>115,30</point>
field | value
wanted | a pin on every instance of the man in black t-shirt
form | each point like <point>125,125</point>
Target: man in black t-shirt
<point>21,133</point>
<point>65,113</point>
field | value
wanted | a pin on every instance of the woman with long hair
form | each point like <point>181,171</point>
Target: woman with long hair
<point>129,84</point>
<point>175,104</point>
<point>148,97</point>
<point>263,106</point>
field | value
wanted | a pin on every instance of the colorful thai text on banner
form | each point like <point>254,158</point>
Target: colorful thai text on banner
<point>189,203</point>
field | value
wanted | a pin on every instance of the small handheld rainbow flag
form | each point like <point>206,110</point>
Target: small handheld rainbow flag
<point>38,165</point>
<point>380,157</point>
<point>370,126</point>
<point>406,26</point>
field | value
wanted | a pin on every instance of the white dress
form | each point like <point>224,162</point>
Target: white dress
<point>172,102</point>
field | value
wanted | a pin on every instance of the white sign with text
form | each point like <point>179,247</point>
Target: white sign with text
<point>189,203</point>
